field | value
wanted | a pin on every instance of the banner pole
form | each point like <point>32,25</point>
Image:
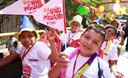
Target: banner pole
<point>64,15</point>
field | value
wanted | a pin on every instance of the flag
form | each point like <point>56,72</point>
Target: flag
<point>52,14</point>
<point>23,7</point>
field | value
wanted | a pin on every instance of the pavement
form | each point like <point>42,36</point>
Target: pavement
<point>2,48</point>
<point>122,65</point>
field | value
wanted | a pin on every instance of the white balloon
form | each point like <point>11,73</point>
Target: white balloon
<point>116,7</point>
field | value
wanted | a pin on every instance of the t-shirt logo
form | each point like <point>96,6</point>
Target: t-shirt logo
<point>26,71</point>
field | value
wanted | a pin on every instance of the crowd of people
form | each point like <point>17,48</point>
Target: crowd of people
<point>90,52</point>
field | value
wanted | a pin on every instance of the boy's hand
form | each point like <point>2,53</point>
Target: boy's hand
<point>62,61</point>
<point>51,35</point>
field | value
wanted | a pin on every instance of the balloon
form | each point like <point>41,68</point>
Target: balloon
<point>98,13</point>
<point>116,7</point>
<point>82,10</point>
<point>117,12</point>
<point>117,1</point>
<point>85,1</point>
<point>123,8</point>
<point>123,11</point>
<point>101,8</point>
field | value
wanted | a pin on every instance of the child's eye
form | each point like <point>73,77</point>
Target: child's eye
<point>86,37</point>
<point>30,36</point>
<point>22,37</point>
<point>96,43</point>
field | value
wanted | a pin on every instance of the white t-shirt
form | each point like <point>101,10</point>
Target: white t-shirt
<point>36,63</point>
<point>111,54</point>
<point>13,49</point>
<point>70,36</point>
<point>92,71</point>
<point>116,42</point>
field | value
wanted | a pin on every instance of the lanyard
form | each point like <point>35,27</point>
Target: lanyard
<point>70,57</point>
<point>69,39</point>
<point>25,53</point>
<point>107,46</point>
<point>83,68</point>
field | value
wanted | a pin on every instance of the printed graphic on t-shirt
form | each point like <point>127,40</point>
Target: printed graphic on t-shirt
<point>26,71</point>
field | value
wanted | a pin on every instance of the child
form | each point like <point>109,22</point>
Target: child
<point>110,50</point>
<point>83,62</point>
<point>73,34</point>
<point>35,55</point>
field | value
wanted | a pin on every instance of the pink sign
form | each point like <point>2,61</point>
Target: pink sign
<point>23,7</point>
<point>52,14</point>
<point>32,6</point>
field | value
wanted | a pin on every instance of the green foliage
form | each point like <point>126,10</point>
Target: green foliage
<point>2,41</point>
<point>71,9</point>
<point>4,3</point>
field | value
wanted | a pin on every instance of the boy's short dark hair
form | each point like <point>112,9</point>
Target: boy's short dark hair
<point>111,26</point>
<point>105,21</point>
<point>97,28</point>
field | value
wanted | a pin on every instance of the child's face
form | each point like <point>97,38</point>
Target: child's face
<point>27,39</point>
<point>90,42</point>
<point>75,26</point>
<point>110,32</point>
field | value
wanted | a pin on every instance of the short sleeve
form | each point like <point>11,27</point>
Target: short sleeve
<point>43,50</point>
<point>20,50</point>
<point>113,53</point>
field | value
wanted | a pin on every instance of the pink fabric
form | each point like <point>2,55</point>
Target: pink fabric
<point>70,57</point>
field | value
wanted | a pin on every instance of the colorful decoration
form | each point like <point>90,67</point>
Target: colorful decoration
<point>98,13</point>
<point>101,8</point>
<point>116,7</point>
<point>82,10</point>
<point>117,1</point>
<point>86,1</point>
<point>121,11</point>
<point>99,19</point>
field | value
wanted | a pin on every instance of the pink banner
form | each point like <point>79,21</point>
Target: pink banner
<point>52,14</point>
<point>23,7</point>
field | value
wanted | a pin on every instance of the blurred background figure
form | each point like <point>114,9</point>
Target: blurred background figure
<point>104,23</point>
<point>14,47</point>
<point>10,41</point>
<point>125,36</point>
<point>74,33</point>
<point>85,22</point>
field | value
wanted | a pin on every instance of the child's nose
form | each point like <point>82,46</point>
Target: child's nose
<point>89,42</point>
<point>27,39</point>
